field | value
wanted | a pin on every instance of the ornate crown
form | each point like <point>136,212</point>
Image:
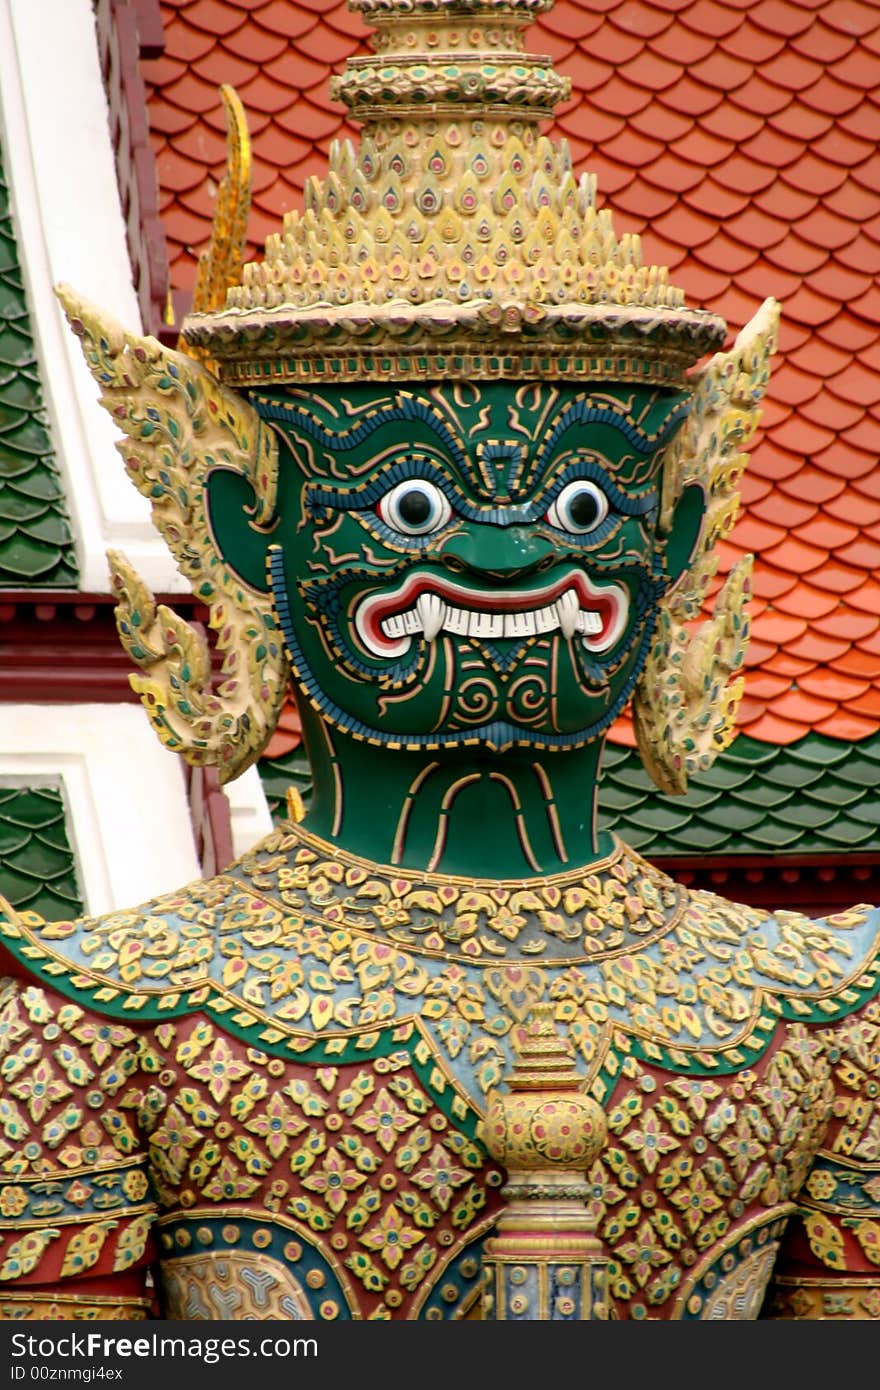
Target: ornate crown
<point>454,240</point>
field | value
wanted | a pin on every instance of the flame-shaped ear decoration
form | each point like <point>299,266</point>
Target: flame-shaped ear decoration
<point>220,264</point>
<point>179,422</point>
<point>685,704</point>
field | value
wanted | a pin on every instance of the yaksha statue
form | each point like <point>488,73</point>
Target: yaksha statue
<point>445,464</point>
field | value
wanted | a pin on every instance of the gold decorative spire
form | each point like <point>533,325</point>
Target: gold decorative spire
<point>454,239</point>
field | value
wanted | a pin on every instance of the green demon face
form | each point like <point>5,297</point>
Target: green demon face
<point>460,564</point>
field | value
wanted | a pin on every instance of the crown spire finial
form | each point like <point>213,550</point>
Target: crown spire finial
<point>462,57</point>
<point>453,240</point>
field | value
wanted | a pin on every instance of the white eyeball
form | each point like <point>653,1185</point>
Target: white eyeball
<point>580,507</point>
<point>415,508</point>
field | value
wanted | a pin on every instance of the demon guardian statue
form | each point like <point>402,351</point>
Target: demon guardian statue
<point>445,466</point>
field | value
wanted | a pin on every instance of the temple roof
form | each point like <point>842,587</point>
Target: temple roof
<point>36,545</point>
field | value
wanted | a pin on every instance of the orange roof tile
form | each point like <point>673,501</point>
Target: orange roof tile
<point>847,624</point>
<point>868,486</point>
<point>851,17</point>
<point>858,662</point>
<point>766,688</point>
<point>752,43</point>
<point>818,648</point>
<point>867,596</point>
<point>771,728</point>
<point>775,465</point>
<point>867,705</point>
<point>802,601</point>
<point>784,665</point>
<point>831,97</point>
<point>840,459</point>
<point>719,202</point>
<point>829,535</point>
<point>820,41</point>
<point>753,489</point>
<point>807,307</point>
<point>740,137</point>
<point>783,200</point>
<point>777,628</point>
<point>798,120</point>
<point>779,17</point>
<point>844,725</point>
<point>798,558</point>
<point>837,579</point>
<point>817,410</point>
<point>854,507</point>
<point>802,709</point>
<point>779,510</point>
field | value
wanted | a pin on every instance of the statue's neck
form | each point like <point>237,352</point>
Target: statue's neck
<point>465,813</point>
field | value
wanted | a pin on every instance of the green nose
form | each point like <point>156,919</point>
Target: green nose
<point>498,552</point>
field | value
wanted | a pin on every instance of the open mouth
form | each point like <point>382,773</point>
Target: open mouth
<point>426,605</point>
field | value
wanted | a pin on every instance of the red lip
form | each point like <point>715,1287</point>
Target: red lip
<point>606,601</point>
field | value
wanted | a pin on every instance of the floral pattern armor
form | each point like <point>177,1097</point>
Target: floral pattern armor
<point>274,1085</point>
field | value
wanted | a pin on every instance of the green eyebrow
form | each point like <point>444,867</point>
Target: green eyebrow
<point>405,408</point>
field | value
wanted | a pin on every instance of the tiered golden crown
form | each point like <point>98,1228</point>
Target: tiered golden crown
<point>454,240</point>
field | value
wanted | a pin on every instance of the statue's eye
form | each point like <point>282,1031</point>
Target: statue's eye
<point>580,507</point>
<point>415,508</point>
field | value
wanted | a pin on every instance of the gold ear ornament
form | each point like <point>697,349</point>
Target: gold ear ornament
<point>178,423</point>
<point>685,704</point>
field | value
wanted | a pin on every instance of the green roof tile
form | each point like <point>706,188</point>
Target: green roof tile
<point>823,751</point>
<point>773,796</point>
<point>836,791</point>
<point>817,796</point>
<point>37,868</point>
<point>867,812</point>
<point>697,837</point>
<point>860,770</point>
<point>36,544</point>
<point>277,774</point>
<point>621,801</point>
<point>774,835</point>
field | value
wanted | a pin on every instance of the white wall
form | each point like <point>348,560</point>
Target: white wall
<point>128,816</point>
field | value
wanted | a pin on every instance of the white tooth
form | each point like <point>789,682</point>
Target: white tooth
<point>393,626</point>
<point>546,619</point>
<point>455,620</point>
<point>486,625</point>
<point>567,609</point>
<point>520,625</point>
<point>431,610</point>
<point>411,621</point>
<point>592,624</point>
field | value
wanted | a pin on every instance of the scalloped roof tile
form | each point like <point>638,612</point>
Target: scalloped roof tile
<point>794,798</point>
<point>36,543</point>
<point>740,139</point>
<point>37,865</point>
